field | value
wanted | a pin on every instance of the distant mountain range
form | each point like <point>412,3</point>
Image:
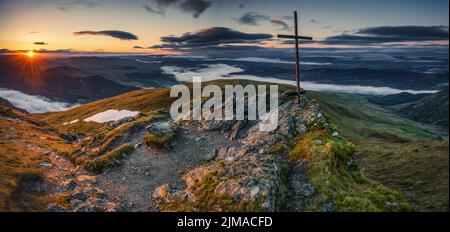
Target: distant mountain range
<point>63,83</point>
<point>84,79</point>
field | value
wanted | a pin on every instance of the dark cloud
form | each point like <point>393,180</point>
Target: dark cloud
<point>314,21</point>
<point>213,36</point>
<point>123,35</point>
<point>69,5</point>
<point>195,7</point>
<point>280,23</point>
<point>154,11</point>
<point>252,18</point>
<point>390,34</point>
<point>243,4</point>
<point>408,32</point>
<point>138,47</point>
<point>40,43</point>
<point>160,6</point>
<point>164,3</point>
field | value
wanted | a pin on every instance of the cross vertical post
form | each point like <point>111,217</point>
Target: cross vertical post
<point>297,62</point>
<point>297,59</point>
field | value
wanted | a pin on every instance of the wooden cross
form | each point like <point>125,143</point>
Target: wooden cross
<point>297,67</point>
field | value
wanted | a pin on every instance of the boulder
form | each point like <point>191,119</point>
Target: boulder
<point>69,185</point>
<point>161,128</point>
<point>55,208</point>
<point>68,138</point>
<point>120,121</point>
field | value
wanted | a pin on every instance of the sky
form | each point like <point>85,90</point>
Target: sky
<point>157,26</point>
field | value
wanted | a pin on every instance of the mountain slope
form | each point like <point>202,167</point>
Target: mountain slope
<point>432,109</point>
<point>21,162</point>
<point>400,153</point>
<point>308,163</point>
<point>214,177</point>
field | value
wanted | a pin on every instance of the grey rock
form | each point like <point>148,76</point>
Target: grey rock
<point>336,135</point>
<point>69,185</point>
<point>56,208</point>
<point>160,128</point>
<point>78,194</point>
<point>69,138</point>
<point>120,121</point>
<point>45,164</point>
<point>212,155</point>
<point>328,207</point>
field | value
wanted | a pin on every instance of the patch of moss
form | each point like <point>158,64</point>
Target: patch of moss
<point>208,200</point>
<point>103,161</point>
<point>158,140</point>
<point>331,172</point>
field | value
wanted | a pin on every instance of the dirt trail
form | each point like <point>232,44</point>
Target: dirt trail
<point>132,183</point>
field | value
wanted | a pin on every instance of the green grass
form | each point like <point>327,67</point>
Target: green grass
<point>337,180</point>
<point>397,152</point>
<point>358,119</point>
<point>418,169</point>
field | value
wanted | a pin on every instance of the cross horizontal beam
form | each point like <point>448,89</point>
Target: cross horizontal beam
<point>294,37</point>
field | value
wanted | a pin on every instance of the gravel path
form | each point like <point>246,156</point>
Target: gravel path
<point>132,183</point>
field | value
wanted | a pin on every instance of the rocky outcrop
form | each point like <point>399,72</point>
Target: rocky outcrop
<point>246,176</point>
<point>82,195</point>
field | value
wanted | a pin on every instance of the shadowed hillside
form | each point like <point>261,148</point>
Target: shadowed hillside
<point>396,151</point>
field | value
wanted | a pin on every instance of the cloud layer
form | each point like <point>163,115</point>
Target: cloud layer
<point>32,103</point>
<point>211,37</point>
<point>225,71</point>
<point>280,23</point>
<point>193,7</point>
<point>255,19</point>
<point>69,5</point>
<point>390,34</point>
<point>252,18</point>
<point>122,35</point>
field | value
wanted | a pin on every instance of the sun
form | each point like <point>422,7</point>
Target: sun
<point>30,54</point>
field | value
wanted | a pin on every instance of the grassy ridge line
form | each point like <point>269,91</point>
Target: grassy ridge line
<point>358,119</point>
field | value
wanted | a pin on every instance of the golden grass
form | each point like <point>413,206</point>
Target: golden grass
<point>19,163</point>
